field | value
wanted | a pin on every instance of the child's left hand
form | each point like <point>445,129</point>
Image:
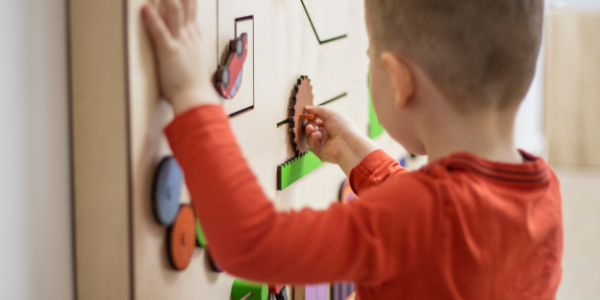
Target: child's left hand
<point>336,139</point>
<point>182,70</point>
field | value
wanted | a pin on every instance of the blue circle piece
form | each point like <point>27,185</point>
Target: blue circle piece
<point>166,191</point>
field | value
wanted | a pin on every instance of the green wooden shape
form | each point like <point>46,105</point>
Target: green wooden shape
<point>200,238</point>
<point>241,288</point>
<point>375,128</point>
<point>296,168</point>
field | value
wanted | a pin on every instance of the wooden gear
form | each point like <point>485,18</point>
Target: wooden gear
<point>301,98</point>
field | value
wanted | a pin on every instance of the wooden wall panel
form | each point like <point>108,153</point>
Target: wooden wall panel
<point>572,88</point>
<point>100,149</point>
<point>119,120</point>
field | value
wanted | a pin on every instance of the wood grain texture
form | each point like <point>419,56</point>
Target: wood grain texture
<point>572,87</point>
<point>117,150</point>
<point>100,167</point>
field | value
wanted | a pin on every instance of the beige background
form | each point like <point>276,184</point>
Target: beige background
<point>572,87</point>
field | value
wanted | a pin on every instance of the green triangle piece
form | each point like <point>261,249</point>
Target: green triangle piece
<point>375,128</point>
<point>241,288</point>
<point>296,168</point>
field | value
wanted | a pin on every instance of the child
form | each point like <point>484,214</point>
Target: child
<point>481,221</point>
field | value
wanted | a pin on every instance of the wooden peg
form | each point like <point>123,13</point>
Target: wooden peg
<point>247,296</point>
<point>307,117</point>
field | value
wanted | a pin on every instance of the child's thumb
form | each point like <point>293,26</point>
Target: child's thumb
<point>321,112</point>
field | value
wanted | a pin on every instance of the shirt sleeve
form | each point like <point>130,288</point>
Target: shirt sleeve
<point>373,170</point>
<point>357,242</point>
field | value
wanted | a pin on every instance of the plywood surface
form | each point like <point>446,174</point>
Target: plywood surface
<point>283,46</point>
<point>572,89</point>
<point>100,156</point>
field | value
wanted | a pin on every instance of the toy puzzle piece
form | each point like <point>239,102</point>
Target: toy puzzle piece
<point>228,78</point>
<point>181,238</point>
<point>315,292</point>
<point>301,97</point>
<point>282,295</point>
<point>342,290</point>
<point>275,288</point>
<point>200,238</point>
<point>296,168</point>
<point>346,192</point>
<point>166,191</point>
<point>212,262</point>
<point>246,290</point>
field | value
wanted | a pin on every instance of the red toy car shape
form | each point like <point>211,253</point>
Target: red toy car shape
<point>228,78</point>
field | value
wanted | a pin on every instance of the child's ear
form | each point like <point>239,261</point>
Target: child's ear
<point>402,78</point>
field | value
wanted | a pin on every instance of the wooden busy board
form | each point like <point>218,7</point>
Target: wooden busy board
<point>118,120</point>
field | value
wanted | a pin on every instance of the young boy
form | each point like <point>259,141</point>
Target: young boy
<point>481,221</point>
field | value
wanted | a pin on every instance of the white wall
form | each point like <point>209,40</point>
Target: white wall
<point>35,210</point>
<point>529,126</point>
<point>575,4</point>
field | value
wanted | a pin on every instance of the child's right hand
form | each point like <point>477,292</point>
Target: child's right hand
<point>183,75</point>
<point>336,139</point>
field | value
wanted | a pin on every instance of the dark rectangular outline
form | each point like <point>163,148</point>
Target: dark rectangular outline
<point>315,29</point>
<point>241,19</point>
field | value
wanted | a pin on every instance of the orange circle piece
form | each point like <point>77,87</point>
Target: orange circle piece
<point>181,238</point>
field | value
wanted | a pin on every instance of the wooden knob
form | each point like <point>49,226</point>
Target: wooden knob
<point>166,191</point>
<point>180,238</point>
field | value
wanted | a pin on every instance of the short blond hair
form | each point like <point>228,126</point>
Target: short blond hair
<point>478,52</point>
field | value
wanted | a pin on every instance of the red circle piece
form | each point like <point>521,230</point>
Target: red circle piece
<point>182,238</point>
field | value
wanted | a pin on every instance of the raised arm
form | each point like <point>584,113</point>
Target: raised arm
<point>359,242</point>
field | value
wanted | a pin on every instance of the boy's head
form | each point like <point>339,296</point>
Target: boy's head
<point>476,54</point>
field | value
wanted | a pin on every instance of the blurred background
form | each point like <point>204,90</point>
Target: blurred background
<point>559,120</point>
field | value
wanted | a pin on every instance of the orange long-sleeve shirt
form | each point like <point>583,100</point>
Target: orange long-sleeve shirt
<point>460,228</point>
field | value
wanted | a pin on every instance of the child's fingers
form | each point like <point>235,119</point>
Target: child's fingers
<point>310,128</point>
<point>189,8</point>
<point>172,12</point>
<point>314,140</point>
<point>159,33</point>
<point>323,113</point>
